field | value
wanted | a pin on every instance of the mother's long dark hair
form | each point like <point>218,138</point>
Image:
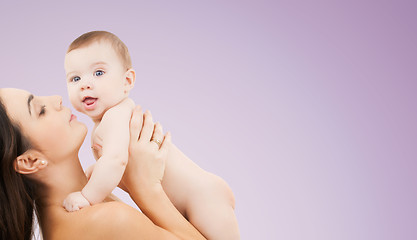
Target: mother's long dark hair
<point>17,192</point>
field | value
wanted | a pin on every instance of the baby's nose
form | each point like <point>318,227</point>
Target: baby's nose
<point>86,85</point>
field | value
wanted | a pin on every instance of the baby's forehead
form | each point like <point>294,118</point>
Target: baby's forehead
<point>93,51</point>
<point>100,47</point>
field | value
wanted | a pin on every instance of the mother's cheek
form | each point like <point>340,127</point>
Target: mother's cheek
<point>54,139</point>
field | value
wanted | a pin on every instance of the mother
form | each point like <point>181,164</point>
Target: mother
<point>39,145</point>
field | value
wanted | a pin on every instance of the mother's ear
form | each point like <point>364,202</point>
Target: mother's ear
<point>30,162</point>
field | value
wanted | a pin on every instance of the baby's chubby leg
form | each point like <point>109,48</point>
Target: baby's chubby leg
<point>203,198</point>
<point>210,209</point>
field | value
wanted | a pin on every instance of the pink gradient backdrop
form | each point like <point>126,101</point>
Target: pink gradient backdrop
<point>307,109</point>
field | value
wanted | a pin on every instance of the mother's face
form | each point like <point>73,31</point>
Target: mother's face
<point>50,127</point>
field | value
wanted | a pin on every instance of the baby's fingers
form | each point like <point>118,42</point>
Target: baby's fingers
<point>70,205</point>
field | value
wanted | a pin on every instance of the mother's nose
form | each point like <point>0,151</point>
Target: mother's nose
<point>57,102</point>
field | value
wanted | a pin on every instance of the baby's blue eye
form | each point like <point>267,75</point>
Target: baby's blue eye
<point>75,79</point>
<point>98,73</point>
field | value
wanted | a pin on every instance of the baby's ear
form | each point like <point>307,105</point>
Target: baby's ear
<point>130,77</point>
<point>30,162</point>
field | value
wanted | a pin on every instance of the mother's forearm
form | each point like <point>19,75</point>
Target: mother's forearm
<point>154,203</point>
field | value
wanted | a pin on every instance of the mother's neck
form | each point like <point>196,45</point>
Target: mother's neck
<point>60,179</point>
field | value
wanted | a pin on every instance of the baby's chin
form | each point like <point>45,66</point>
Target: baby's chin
<point>95,116</point>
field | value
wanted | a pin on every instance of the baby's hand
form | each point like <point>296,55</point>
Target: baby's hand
<point>75,201</point>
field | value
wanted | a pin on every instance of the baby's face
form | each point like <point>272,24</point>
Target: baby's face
<point>96,79</point>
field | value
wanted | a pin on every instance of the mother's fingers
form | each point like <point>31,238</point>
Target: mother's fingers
<point>157,136</point>
<point>147,129</point>
<point>136,123</point>
<point>165,144</point>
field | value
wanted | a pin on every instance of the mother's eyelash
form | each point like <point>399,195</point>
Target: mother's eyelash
<point>42,110</point>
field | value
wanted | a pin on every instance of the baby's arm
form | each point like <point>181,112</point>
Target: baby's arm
<point>109,168</point>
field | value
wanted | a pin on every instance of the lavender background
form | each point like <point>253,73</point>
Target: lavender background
<point>306,108</point>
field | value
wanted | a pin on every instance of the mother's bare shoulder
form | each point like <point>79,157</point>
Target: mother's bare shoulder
<point>110,220</point>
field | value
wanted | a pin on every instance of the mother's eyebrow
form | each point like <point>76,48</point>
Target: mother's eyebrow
<point>30,98</point>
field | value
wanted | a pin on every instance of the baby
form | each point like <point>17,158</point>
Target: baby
<point>99,78</point>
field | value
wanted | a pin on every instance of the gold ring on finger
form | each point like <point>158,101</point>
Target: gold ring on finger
<point>157,141</point>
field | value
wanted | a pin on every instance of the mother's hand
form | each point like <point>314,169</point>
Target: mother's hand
<point>148,150</point>
<point>143,176</point>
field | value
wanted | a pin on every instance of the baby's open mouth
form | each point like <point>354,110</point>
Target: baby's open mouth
<point>89,101</point>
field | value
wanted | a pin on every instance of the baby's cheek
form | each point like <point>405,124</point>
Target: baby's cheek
<point>72,95</point>
<point>77,105</point>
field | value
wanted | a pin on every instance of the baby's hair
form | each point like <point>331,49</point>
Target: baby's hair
<point>96,36</point>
